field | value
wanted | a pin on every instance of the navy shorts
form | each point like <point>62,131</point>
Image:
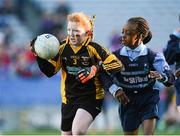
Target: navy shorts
<point>142,106</point>
<point>177,86</point>
<point>68,111</point>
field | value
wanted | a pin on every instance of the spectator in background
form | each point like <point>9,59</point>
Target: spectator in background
<point>47,23</point>
<point>26,65</point>
<point>172,55</point>
<point>54,23</point>
<point>60,16</point>
<point>63,8</point>
<point>4,57</point>
<point>115,41</point>
<point>7,8</point>
<point>20,9</point>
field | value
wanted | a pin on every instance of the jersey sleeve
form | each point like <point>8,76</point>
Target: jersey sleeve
<point>110,62</point>
<point>48,67</point>
<point>162,67</point>
<point>170,52</point>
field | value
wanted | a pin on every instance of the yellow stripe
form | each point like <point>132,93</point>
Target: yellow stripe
<point>107,69</point>
<point>99,89</point>
<point>52,62</point>
<point>57,64</point>
<point>87,41</point>
<point>64,75</point>
<point>62,46</point>
<point>91,54</point>
<point>113,63</point>
<point>110,58</point>
<point>111,67</point>
<point>63,92</point>
<point>75,49</point>
<point>92,50</point>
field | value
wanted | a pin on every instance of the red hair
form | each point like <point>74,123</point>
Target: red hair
<point>83,20</point>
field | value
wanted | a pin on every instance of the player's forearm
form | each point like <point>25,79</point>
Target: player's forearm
<point>46,67</point>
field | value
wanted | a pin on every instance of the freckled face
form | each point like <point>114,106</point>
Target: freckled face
<point>130,35</point>
<point>76,33</point>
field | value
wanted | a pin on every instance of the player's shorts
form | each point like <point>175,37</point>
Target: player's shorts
<point>68,111</point>
<point>177,86</point>
<point>142,106</point>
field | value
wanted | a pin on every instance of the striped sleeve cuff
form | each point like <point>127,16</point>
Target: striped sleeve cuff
<point>113,89</point>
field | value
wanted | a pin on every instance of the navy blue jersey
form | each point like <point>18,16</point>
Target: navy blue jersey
<point>137,67</point>
<point>172,51</point>
<point>172,55</point>
<point>134,76</point>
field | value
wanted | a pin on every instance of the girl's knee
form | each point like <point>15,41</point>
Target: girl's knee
<point>78,131</point>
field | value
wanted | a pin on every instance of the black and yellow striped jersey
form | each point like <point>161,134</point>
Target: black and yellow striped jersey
<point>72,59</point>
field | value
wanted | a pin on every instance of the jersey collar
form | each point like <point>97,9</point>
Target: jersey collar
<point>142,49</point>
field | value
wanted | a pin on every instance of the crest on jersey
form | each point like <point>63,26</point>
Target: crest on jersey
<point>85,61</point>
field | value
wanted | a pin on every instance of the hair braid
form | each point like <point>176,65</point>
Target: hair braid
<point>142,28</point>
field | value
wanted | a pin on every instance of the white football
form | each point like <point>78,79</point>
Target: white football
<point>46,46</point>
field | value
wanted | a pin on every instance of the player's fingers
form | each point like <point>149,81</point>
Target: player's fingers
<point>126,99</point>
<point>152,74</point>
<point>80,75</point>
<point>120,99</point>
<point>159,77</point>
<point>86,79</point>
<point>82,78</point>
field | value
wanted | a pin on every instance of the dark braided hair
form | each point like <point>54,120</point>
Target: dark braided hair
<point>142,28</point>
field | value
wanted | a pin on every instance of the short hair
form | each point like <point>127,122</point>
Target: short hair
<point>142,28</point>
<point>83,19</point>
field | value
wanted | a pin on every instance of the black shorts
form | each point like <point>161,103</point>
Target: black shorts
<point>68,111</point>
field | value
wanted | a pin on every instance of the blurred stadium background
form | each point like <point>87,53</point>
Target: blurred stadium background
<point>30,102</point>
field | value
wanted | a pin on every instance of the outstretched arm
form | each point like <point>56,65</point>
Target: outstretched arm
<point>110,83</point>
<point>164,73</point>
<point>48,67</point>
